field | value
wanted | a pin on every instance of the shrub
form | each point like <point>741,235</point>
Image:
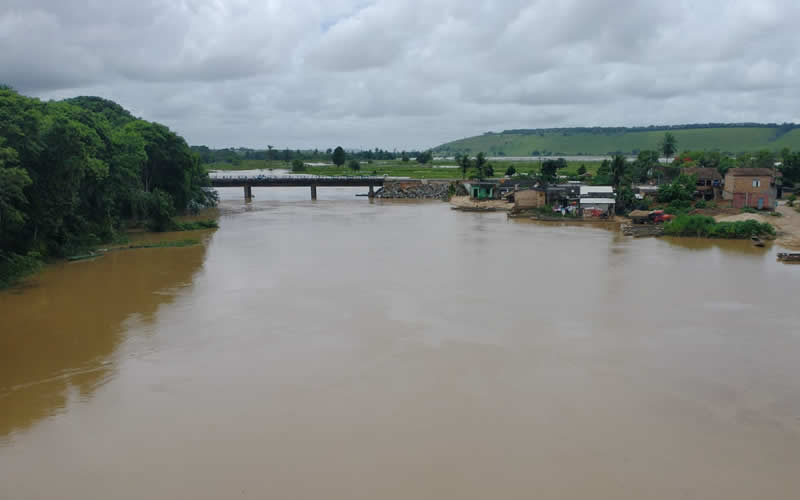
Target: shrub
<point>792,200</point>
<point>704,226</point>
<point>678,207</point>
<point>14,267</point>
<point>298,165</point>
<point>701,204</point>
<point>749,210</point>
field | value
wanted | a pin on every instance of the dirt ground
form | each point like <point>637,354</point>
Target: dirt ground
<point>788,225</point>
<point>466,202</point>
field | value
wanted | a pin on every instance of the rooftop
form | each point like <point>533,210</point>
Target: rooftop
<point>596,189</point>
<point>703,173</point>
<point>749,172</point>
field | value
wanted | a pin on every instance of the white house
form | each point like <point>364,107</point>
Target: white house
<point>597,200</point>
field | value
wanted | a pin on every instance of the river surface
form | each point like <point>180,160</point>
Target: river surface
<point>348,349</point>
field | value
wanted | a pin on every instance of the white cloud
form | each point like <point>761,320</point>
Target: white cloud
<point>411,73</point>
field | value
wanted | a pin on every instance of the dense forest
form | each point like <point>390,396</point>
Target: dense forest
<point>74,173</point>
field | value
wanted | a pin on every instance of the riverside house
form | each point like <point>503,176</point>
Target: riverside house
<point>597,201</point>
<point>751,187</point>
<point>709,182</point>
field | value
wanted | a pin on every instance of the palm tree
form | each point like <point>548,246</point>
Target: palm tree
<point>669,146</point>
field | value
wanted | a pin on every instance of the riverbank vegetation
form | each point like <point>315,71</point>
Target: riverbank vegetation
<point>76,173</point>
<point>707,227</point>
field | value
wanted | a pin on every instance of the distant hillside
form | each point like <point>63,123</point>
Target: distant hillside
<point>728,138</point>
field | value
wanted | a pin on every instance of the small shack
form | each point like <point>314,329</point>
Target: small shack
<point>482,190</point>
<point>530,198</point>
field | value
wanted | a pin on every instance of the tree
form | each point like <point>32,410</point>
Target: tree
<point>464,164</point>
<point>669,145</point>
<point>480,165</point>
<point>681,189</point>
<point>405,157</point>
<point>338,156</point>
<point>582,170</point>
<point>549,170</point>
<point>510,171</point>
<point>618,171</point>
<point>354,165</point>
<point>298,165</point>
<point>424,157</point>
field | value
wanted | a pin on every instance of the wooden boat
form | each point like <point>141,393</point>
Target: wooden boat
<point>757,241</point>
<point>83,257</point>
<point>789,257</point>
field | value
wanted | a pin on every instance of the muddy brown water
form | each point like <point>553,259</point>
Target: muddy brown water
<point>348,349</point>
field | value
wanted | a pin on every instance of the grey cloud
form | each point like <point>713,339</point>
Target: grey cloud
<point>407,74</point>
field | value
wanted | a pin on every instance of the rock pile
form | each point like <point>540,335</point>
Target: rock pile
<point>415,190</point>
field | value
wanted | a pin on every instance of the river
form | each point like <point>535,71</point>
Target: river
<point>348,349</point>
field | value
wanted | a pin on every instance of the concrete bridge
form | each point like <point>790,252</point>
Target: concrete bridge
<point>248,182</point>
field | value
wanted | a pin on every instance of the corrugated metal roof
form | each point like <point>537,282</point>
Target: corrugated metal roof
<point>598,201</point>
<point>596,189</point>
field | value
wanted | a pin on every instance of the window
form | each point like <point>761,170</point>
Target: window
<point>756,183</point>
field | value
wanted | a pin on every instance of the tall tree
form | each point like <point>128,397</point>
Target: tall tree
<point>669,145</point>
<point>464,164</point>
<point>338,156</point>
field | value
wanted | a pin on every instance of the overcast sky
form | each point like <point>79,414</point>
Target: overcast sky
<point>407,73</point>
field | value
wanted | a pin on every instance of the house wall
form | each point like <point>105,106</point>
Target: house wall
<point>529,199</point>
<point>741,192</point>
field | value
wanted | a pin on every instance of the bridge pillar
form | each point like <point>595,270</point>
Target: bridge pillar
<point>248,192</point>
<point>371,193</point>
<point>313,192</point>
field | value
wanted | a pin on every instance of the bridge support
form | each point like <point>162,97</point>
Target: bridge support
<point>248,192</point>
<point>313,192</point>
<point>371,193</point>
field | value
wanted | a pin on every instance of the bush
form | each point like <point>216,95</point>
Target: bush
<point>678,207</point>
<point>749,210</point>
<point>707,227</point>
<point>792,200</point>
<point>14,267</point>
<point>701,204</point>
<point>298,165</point>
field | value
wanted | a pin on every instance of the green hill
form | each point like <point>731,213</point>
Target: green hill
<point>734,138</point>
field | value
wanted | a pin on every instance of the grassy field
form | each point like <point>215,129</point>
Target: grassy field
<point>396,168</point>
<point>730,140</point>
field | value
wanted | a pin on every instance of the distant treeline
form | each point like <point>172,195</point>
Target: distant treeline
<point>237,155</point>
<point>785,127</point>
<point>73,173</point>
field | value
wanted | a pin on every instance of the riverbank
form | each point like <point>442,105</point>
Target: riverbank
<point>468,204</point>
<point>787,224</point>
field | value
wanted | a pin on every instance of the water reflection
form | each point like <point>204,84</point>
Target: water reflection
<point>60,331</point>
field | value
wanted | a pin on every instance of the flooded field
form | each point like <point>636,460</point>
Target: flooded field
<point>353,349</point>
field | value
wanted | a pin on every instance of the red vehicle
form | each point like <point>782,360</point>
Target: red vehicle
<point>659,217</point>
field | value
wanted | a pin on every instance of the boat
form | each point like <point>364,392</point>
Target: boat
<point>789,257</point>
<point>72,258</point>
<point>757,241</point>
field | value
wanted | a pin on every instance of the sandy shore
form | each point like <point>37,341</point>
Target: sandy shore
<point>467,202</point>
<point>788,225</point>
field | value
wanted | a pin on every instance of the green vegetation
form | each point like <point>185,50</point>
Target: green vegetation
<point>74,173</point>
<point>164,244</point>
<point>669,146</point>
<point>707,227</point>
<point>338,156</point>
<point>195,225</point>
<point>603,141</point>
<point>437,169</point>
